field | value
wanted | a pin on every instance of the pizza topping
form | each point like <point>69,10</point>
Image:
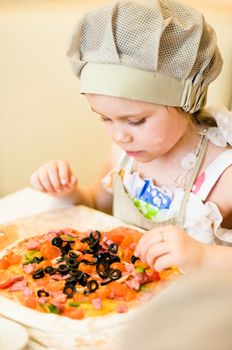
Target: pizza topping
<point>29,256</point>
<point>33,244</point>
<point>72,262</point>
<point>18,286</point>
<point>48,251</point>
<point>7,280</point>
<point>93,239</point>
<point>29,268</point>
<point>97,303</point>
<point>134,259</point>
<point>102,270</point>
<point>63,269</point>
<point>73,255</point>
<point>42,293</point>
<point>39,273</point>
<point>60,298</point>
<point>66,248</point>
<point>121,308</point>
<point>69,290</point>
<point>57,242</point>
<point>114,274</point>
<point>92,285</point>
<point>28,291</point>
<point>83,278</point>
<point>50,308</point>
<point>113,248</point>
<point>50,270</point>
<point>4,264</point>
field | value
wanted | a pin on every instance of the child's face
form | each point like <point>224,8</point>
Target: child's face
<point>144,130</point>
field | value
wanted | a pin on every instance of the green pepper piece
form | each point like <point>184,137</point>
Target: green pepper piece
<point>140,269</point>
<point>74,303</point>
<point>53,309</point>
<point>30,256</point>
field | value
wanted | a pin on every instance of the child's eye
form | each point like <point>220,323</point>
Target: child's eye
<point>104,119</point>
<point>139,122</point>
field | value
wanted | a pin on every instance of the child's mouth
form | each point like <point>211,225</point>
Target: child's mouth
<point>133,153</point>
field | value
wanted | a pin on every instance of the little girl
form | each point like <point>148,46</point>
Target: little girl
<point>145,67</point>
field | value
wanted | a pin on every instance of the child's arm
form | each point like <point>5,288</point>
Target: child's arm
<point>56,178</point>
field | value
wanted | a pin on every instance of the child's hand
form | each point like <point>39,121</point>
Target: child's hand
<point>54,177</point>
<point>168,246</point>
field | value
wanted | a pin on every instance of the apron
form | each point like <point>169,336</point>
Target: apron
<point>125,210</point>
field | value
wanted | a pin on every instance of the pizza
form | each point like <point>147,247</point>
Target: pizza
<point>74,275</point>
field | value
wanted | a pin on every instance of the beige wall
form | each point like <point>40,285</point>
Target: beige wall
<point>42,115</point>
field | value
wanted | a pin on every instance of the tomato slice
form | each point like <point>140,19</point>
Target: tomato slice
<point>14,259</point>
<point>4,264</point>
<point>74,312</point>
<point>31,302</point>
<point>55,286</point>
<point>48,251</point>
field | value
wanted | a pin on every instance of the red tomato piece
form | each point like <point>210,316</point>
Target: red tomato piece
<point>4,264</point>
<point>14,259</point>
<point>74,312</point>
<point>48,251</point>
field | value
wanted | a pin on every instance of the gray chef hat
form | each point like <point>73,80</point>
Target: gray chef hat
<point>157,51</point>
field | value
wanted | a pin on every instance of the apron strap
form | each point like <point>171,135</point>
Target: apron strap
<point>181,216</point>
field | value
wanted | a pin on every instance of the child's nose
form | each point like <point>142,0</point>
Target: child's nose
<point>121,136</point>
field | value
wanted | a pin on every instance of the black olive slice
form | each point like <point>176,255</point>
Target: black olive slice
<point>113,248</point>
<point>50,270</point>
<point>83,279</point>
<point>87,262</point>
<point>63,269</point>
<point>134,259</point>
<point>71,279</point>
<point>73,255</point>
<point>94,239</point>
<point>108,258</point>
<point>88,251</point>
<point>75,273</point>
<point>102,270</point>
<point>38,274</point>
<point>37,260</point>
<point>72,262</point>
<point>85,240</point>
<point>42,293</point>
<point>104,283</point>
<point>92,285</point>
<point>95,236</point>
<point>66,248</point>
<point>114,274</point>
<point>69,290</point>
<point>57,242</point>
<point>114,258</point>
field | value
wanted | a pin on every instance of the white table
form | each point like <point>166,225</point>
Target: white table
<point>28,202</point>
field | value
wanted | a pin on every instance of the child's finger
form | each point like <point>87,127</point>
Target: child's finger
<point>145,242</point>
<point>155,251</point>
<point>54,178</point>
<point>73,180</point>
<point>36,183</point>
<point>64,172</point>
<point>45,181</point>
<point>164,262</point>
